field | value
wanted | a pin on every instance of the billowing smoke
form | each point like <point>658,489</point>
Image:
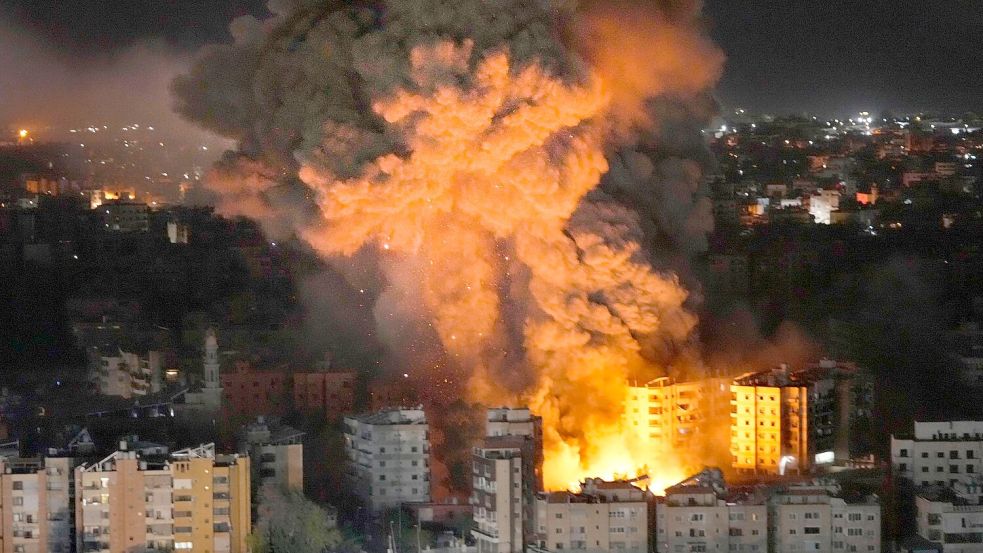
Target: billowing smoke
<point>523,176</point>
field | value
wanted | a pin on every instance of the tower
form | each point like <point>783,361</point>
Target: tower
<point>210,360</point>
<point>211,393</point>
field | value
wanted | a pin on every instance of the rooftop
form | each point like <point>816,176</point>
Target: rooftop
<point>392,417</point>
<point>783,375</point>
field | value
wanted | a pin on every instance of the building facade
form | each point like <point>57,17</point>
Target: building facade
<point>192,500</point>
<point>389,457</point>
<point>786,421</point>
<point>502,494</point>
<point>276,453</point>
<point>812,518</point>
<point>329,391</point>
<point>129,375</point>
<point>507,474</point>
<point>701,514</point>
<point>940,454</point>
<point>604,516</point>
<point>249,392</point>
<point>36,506</point>
<point>667,413</point>
<point>951,517</point>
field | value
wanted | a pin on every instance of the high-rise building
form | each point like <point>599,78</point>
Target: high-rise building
<point>667,413</point>
<point>502,494</point>
<point>785,421</point>
<point>519,421</point>
<point>507,474</point>
<point>36,505</point>
<point>702,514</point>
<point>604,516</point>
<point>389,457</point>
<point>192,499</point>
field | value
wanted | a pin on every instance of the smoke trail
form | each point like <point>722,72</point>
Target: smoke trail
<point>462,145</point>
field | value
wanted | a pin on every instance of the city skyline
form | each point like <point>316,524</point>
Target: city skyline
<point>830,59</point>
<point>490,276</point>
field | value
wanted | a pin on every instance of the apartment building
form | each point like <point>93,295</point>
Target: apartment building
<point>519,421</point>
<point>939,453</point>
<point>701,514</point>
<point>389,457</point>
<point>604,516</point>
<point>507,474</point>
<point>786,421</point>
<point>127,374</point>
<point>952,517</point>
<point>663,412</point>
<point>329,391</point>
<point>193,499</point>
<point>812,518</point>
<point>35,505</point>
<point>250,392</point>
<point>276,452</point>
<point>123,216</point>
<point>502,493</point>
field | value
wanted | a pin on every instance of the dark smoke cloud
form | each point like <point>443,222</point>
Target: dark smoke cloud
<point>41,87</point>
<point>456,149</point>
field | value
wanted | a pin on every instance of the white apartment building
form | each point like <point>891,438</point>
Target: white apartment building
<point>129,375</point>
<point>389,457</point>
<point>604,516</point>
<point>507,474</point>
<point>952,517</point>
<point>519,421</point>
<point>940,453</point>
<point>501,494</point>
<point>35,505</point>
<point>700,514</point>
<point>811,518</point>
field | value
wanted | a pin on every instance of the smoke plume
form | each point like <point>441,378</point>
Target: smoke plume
<point>506,168</point>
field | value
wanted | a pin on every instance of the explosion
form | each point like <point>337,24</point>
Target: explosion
<point>462,149</point>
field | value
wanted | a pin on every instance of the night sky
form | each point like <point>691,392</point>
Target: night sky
<point>829,56</point>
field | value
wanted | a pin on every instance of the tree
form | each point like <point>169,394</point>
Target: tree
<point>289,522</point>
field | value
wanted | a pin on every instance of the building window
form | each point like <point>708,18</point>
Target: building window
<point>903,453</point>
<point>811,530</point>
